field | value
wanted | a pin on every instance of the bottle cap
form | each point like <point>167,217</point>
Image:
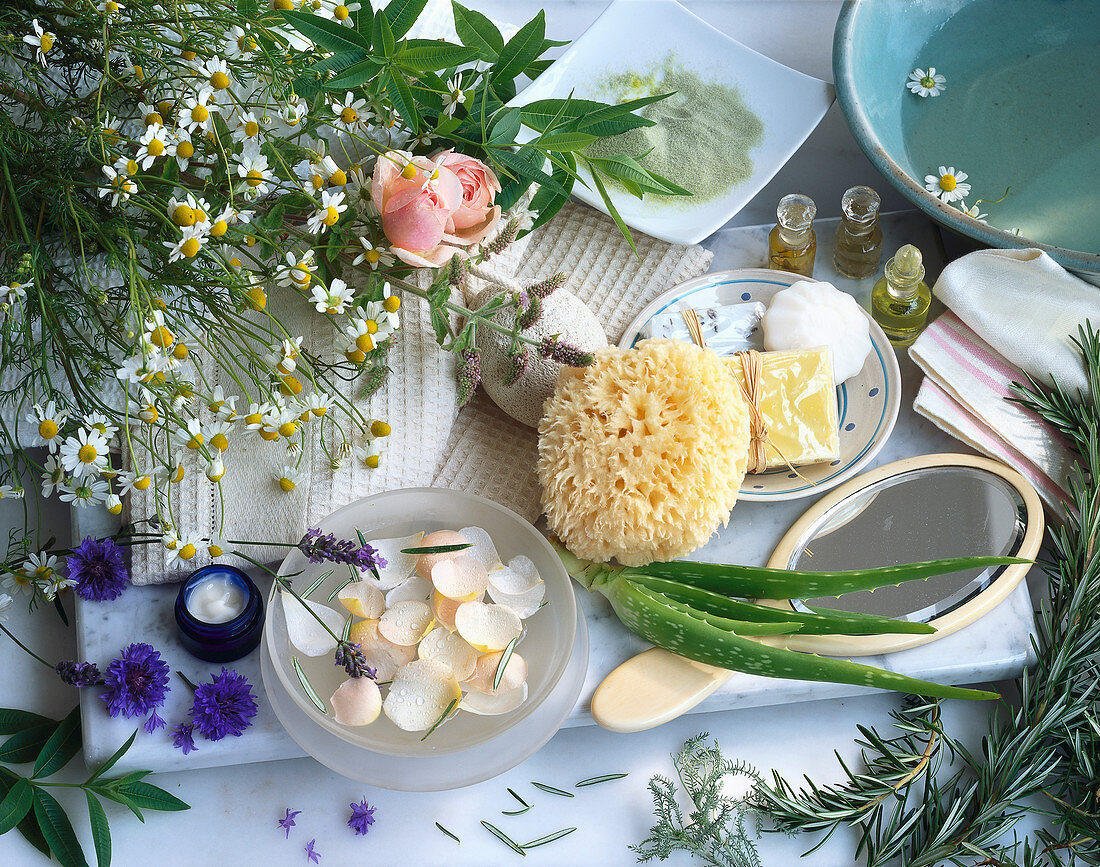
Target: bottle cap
<point>796,212</point>
<point>860,205</point>
<point>908,263</point>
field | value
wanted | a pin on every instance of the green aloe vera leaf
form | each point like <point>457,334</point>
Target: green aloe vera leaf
<point>758,582</point>
<point>685,632</point>
<point>823,621</point>
<point>738,627</point>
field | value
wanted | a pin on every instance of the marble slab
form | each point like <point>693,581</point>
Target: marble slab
<point>995,648</point>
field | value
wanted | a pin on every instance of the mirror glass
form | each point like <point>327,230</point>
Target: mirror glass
<point>923,514</point>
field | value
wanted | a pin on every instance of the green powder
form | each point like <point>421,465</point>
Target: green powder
<point>702,136</point>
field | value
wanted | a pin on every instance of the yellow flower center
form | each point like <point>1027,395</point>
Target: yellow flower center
<point>200,215</point>
<point>331,216</point>
<point>115,508</point>
<point>200,113</point>
<point>185,149</point>
<point>250,240</point>
<point>142,483</point>
<point>46,42</point>
<point>409,172</point>
<point>110,134</point>
<point>215,550</point>
<point>341,12</point>
<point>288,429</point>
<point>364,343</point>
<point>155,147</point>
<point>245,43</point>
<point>195,442</point>
<point>285,5</point>
<point>87,453</point>
<point>219,80</point>
<point>380,429</point>
<point>349,114</point>
<point>291,386</point>
<point>372,256</point>
<point>47,429</point>
<point>254,178</point>
<point>190,248</point>
<point>177,474</point>
<point>286,484</point>
<point>391,304</point>
<point>251,128</point>
<point>183,215</point>
<point>257,298</point>
<point>338,178</point>
<point>219,228</point>
<point>372,327</point>
<point>164,107</point>
<point>319,410</point>
<point>131,167</point>
<point>948,183</point>
<point>301,274</point>
<point>162,337</point>
<point>153,118</point>
<point>355,356</point>
<point>149,414</point>
<point>928,81</point>
<point>219,441</point>
<point>110,7</point>
<point>180,351</point>
<point>139,73</point>
<point>372,461</point>
<point>187,55</point>
<point>268,434</point>
<point>187,551</point>
<point>317,181</point>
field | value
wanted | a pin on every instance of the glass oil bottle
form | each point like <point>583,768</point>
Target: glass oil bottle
<point>858,248</point>
<point>900,299</point>
<point>792,243</point>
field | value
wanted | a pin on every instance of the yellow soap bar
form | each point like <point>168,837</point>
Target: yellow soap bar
<point>797,400</point>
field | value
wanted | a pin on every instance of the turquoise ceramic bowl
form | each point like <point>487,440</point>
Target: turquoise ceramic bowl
<point>1020,110</point>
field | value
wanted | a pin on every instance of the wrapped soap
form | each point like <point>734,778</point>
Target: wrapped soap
<point>726,328</point>
<point>794,393</point>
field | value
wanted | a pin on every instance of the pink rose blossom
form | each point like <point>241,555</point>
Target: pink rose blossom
<point>477,216</point>
<point>416,211</point>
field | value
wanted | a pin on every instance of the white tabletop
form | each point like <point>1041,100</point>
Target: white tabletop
<point>232,819</point>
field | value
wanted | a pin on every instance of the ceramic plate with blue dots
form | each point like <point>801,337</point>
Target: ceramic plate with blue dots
<point>867,403</point>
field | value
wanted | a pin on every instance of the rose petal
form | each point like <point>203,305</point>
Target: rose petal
<point>462,578</point>
<point>398,566</point>
<point>363,599</point>
<point>485,672</point>
<point>406,622</point>
<point>447,647</point>
<point>519,576</point>
<point>383,656</point>
<point>303,630</point>
<point>483,548</point>
<point>412,589</point>
<point>487,627</point>
<point>356,702</point>
<point>444,609</point>
<point>421,691</point>
<point>439,538</point>
<point>493,705</point>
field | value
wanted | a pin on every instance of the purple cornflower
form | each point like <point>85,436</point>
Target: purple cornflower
<point>362,817</point>
<point>137,683</point>
<point>78,673</point>
<point>154,722</point>
<point>319,548</point>
<point>312,856</point>
<point>469,375</point>
<point>565,353</point>
<point>287,822</point>
<point>224,706</point>
<point>350,655</point>
<point>98,570</point>
<point>183,738</point>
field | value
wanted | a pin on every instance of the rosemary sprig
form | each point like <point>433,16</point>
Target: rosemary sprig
<point>593,781</point>
<point>438,549</point>
<point>448,833</point>
<point>549,838</point>
<point>551,790</point>
<point>504,838</point>
<point>442,718</point>
<point>317,583</point>
<point>926,799</point>
<point>502,664</point>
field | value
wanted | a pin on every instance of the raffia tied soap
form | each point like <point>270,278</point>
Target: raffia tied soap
<point>796,398</point>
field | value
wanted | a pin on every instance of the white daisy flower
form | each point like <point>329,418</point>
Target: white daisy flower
<point>41,41</point>
<point>239,43</point>
<point>84,492</point>
<point>184,148</point>
<point>110,7</point>
<point>369,454</point>
<point>14,292</point>
<point>113,504</point>
<point>129,482</point>
<point>288,478</point>
<point>973,211</point>
<point>217,434</point>
<point>361,332</point>
<point>39,567</point>
<point>55,584</point>
<point>196,111</point>
<point>215,469</point>
<point>332,205</point>
<point>119,186</point>
<point>247,128</point>
<point>154,144</point>
<point>98,421</point>
<point>351,114</point>
<point>252,167</point>
<point>455,96</point>
<point>334,299</point>
<point>926,83</point>
<point>189,244</point>
<point>149,114</point>
<point>298,271</point>
<point>183,550</point>
<point>47,421</point>
<point>341,12</point>
<point>948,184</point>
<point>7,492</point>
<point>217,545</point>
<point>19,582</point>
<point>317,403</point>
<point>6,602</point>
<point>316,170</point>
<point>222,406</point>
<point>254,418</point>
<point>295,111</point>
<point>285,356</point>
<point>84,453</point>
<point>191,435</point>
<point>373,254</point>
<point>53,476</point>
<point>216,72</point>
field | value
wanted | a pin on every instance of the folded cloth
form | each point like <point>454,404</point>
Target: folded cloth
<point>966,394</point>
<point>1026,306</point>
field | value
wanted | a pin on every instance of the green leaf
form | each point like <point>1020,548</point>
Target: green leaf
<point>16,805</point>
<point>112,794</point>
<point>110,763</point>
<point>520,50</point>
<point>151,797</point>
<point>506,128</point>
<point>13,720</point>
<point>547,203</point>
<point>613,211</point>
<point>618,111</point>
<point>63,744</point>
<point>101,831</point>
<point>577,115</point>
<point>25,746</point>
<point>428,55</point>
<point>440,326</point>
<point>537,68</point>
<point>400,94</point>
<point>58,830</point>
<point>624,168</point>
<point>565,141</point>
<point>326,33</point>
<point>355,75</point>
<point>526,166</point>
<point>337,62</point>
<point>384,40</point>
<point>28,827</point>
<point>477,31</point>
<point>402,14</point>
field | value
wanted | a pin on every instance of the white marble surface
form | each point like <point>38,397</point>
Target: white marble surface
<point>232,820</point>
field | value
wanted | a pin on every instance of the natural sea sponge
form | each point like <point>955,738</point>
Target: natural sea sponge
<point>642,454</point>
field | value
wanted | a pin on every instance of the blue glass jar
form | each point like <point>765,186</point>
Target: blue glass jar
<point>231,639</point>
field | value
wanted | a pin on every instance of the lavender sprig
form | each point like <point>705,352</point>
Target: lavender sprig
<point>531,314</point>
<point>319,548</point>
<point>565,353</point>
<point>546,288</point>
<point>78,673</point>
<point>517,366</point>
<point>350,655</point>
<point>469,375</point>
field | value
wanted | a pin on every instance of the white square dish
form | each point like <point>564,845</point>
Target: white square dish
<point>633,35</point>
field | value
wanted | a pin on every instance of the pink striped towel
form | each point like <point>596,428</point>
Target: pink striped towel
<point>965,394</point>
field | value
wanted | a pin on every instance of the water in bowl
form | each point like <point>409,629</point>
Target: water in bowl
<point>1021,110</point>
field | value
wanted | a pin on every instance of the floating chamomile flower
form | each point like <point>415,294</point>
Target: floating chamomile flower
<point>948,184</point>
<point>926,83</point>
<point>41,40</point>
<point>454,97</point>
<point>334,299</point>
<point>289,478</point>
<point>973,211</point>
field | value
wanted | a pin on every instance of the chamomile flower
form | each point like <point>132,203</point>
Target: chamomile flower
<point>196,111</point>
<point>948,184</point>
<point>362,338</point>
<point>113,504</point>
<point>7,492</point>
<point>149,114</point>
<point>215,469</point>
<point>41,41</point>
<point>295,111</point>
<point>217,545</point>
<point>973,211</point>
<point>221,223</point>
<point>85,492</point>
<point>289,478</point>
<point>298,271</point>
<point>285,421</point>
<point>317,403</point>
<point>351,114</point>
<point>383,314</point>
<point>53,476</point>
<point>184,148</point>
<point>216,72</point>
<point>191,435</point>
<point>19,582</point>
<point>373,254</point>
<point>285,356</point>
<point>184,550</point>
<point>332,205</point>
<point>118,186</point>
<point>926,83</point>
<point>334,299</point>
<point>254,418</point>
<point>454,97</point>
<point>110,7</point>
<point>222,406</point>
<point>247,128</point>
<point>370,453</point>
<point>239,42</point>
<point>99,422</point>
<point>217,434</point>
<point>155,143</point>
<point>253,168</point>
<point>55,585</point>
<point>47,422</point>
<point>341,12</point>
<point>315,171</point>
<point>188,245</point>
<point>131,481</point>
<point>39,567</point>
<point>84,453</point>
<point>14,292</point>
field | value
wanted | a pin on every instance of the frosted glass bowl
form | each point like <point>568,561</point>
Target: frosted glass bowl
<point>546,645</point>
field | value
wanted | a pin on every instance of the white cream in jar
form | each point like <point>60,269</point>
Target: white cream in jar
<point>217,599</point>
